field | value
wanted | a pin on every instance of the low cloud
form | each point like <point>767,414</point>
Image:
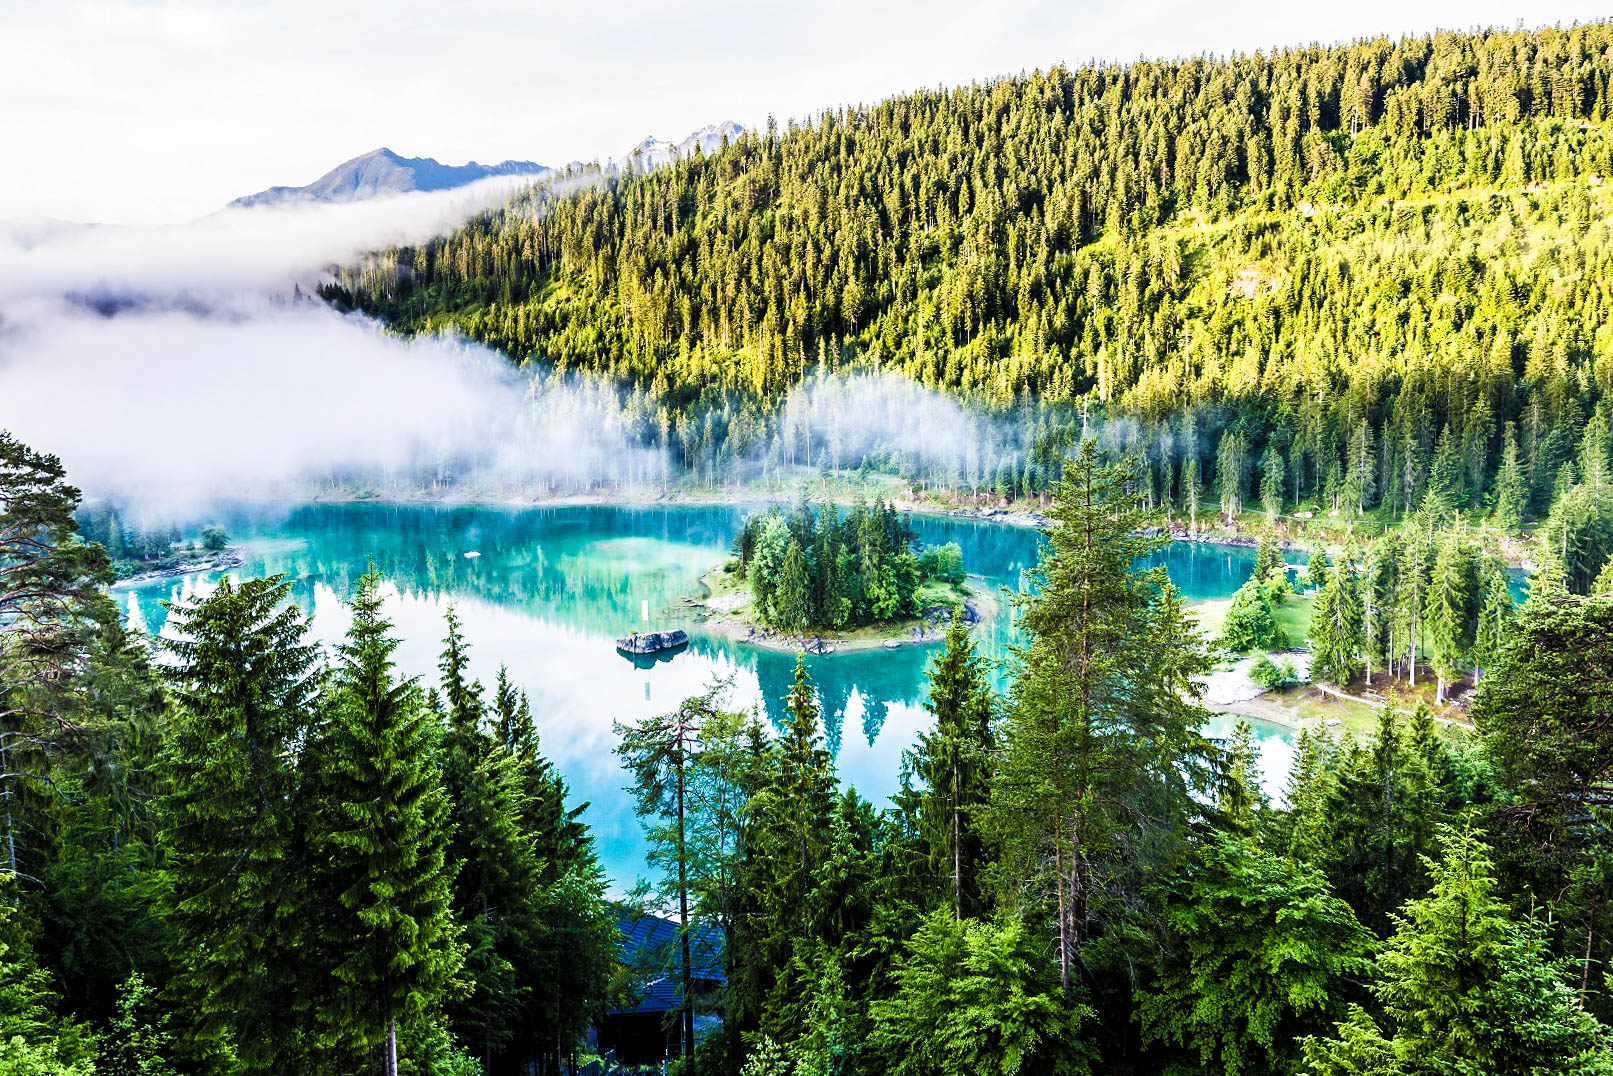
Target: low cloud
<point>171,366</point>
<point>265,249</point>
<point>173,407</point>
<point>889,420</point>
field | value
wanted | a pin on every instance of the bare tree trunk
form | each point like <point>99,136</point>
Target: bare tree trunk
<point>957,849</point>
<point>1585,969</point>
<point>1064,916</point>
<point>392,1046</point>
<point>683,914</point>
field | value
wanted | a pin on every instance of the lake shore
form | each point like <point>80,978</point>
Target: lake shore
<point>233,557</point>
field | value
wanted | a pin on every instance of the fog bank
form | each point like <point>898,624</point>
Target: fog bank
<point>172,367</point>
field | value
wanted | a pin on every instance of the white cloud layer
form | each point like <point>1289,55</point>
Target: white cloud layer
<point>173,408</point>
<point>229,252</point>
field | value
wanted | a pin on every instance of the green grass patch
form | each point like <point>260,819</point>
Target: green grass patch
<point>1294,618</point>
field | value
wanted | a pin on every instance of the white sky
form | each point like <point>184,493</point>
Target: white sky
<point>147,111</point>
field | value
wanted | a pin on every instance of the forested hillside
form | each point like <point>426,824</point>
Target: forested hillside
<point>1356,259</point>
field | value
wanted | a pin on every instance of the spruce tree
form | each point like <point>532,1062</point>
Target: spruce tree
<point>1101,749</point>
<point>29,1024</point>
<point>1450,613</point>
<point>1240,800</point>
<point>377,833</point>
<point>50,602</point>
<point>953,761</point>
<point>561,840</point>
<point>1258,952</point>
<point>1511,487</point>
<point>1250,623</point>
<point>1542,713</point>
<point>1318,567</point>
<point>1335,631</point>
<point>1269,559</point>
<point>787,836</point>
<point>1466,989</point>
<point>243,684</point>
<point>491,859</point>
<point>1377,587</point>
<point>1306,828</point>
<point>1271,484</point>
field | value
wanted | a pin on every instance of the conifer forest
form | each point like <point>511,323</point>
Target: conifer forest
<point>1349,306</point>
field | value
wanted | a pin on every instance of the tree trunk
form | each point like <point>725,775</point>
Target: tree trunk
<point>683,916</point>
<point>957,849</point>
<point>391,1046</point>
<point>1064,917</point>
<point>1585,968</point>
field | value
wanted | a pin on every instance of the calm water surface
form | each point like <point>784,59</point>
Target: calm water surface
<point>553,587</point>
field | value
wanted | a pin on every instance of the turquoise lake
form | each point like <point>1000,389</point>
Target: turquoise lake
<point>553,587</point>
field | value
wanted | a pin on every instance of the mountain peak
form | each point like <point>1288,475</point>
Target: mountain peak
<point>381,172</point>
<point>654,152</point>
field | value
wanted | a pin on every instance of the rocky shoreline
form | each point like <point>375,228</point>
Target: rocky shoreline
<point>230,558</point>
<point>722,619</point>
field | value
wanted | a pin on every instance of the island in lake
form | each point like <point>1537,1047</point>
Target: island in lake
<point>818,579</point>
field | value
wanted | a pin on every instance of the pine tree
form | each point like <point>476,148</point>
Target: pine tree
<point>954,763</point>
<point>659,752</point>
<point>243,683</point>
<point>377,837</point>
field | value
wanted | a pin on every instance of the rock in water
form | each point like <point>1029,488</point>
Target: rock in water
<point>652,642</point>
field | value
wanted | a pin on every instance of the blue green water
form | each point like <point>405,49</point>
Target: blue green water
<point>553,587</point>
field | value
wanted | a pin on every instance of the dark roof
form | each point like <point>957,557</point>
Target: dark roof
<point>651,942</point>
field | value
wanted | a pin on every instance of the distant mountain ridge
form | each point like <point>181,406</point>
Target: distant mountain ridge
<point>382,172</point>
<point>654,152</point>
